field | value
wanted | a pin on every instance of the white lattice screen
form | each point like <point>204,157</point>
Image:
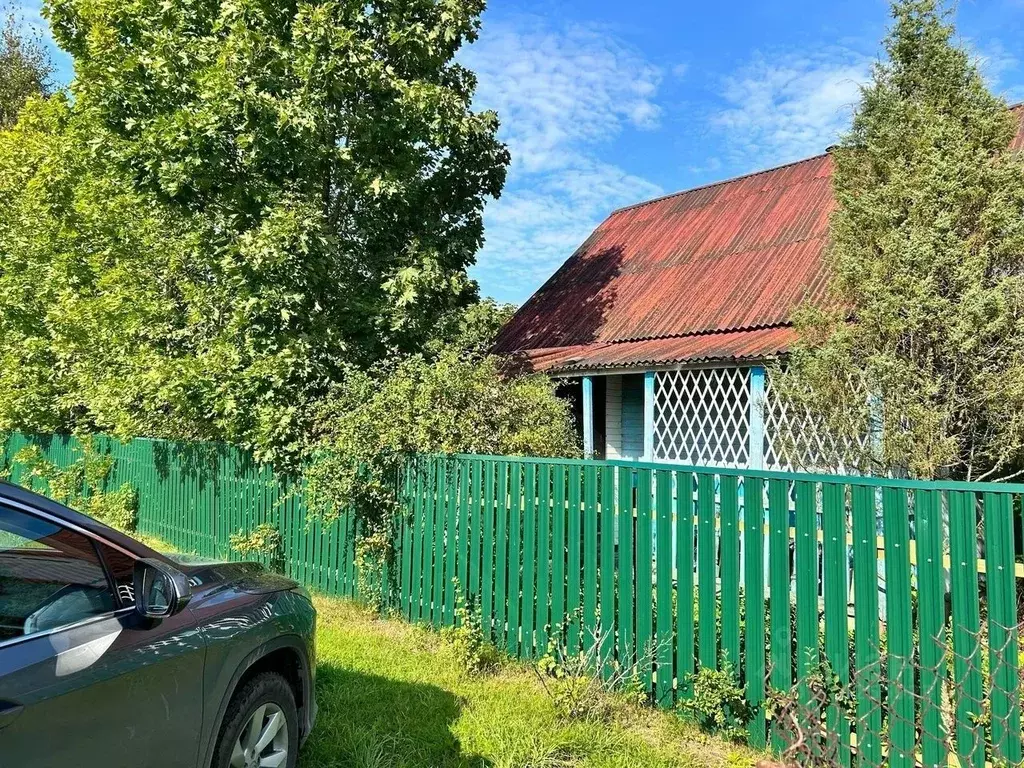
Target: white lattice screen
<point>795,441</point>
<point>702,416</point>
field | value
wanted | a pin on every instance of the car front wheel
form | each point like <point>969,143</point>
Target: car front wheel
<point>260,727</point>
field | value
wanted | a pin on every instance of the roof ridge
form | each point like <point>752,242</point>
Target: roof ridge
<point>717,183</point>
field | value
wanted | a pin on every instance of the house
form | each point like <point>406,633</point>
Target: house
<point>664,319</point>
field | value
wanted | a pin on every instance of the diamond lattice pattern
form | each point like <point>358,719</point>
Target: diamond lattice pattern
<point>702,416</point>
<point>795,441</point>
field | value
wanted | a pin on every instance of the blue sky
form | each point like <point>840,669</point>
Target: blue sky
<point>605,103</point>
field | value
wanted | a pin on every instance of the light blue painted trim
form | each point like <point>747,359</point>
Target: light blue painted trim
<point>588,417</point>
<point>755,448</point>
<point>648,415</point>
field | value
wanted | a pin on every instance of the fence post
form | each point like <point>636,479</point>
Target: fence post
<point>755,451</point>
<point>588,417</point>
<point>649,416</point>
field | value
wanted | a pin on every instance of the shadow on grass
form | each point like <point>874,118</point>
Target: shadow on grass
<point>368,721</point>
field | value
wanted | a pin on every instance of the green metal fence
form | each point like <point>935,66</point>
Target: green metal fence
<point>906,592</point>
<point>195,496</point>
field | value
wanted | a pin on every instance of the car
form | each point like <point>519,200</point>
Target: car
<point>115,655</point>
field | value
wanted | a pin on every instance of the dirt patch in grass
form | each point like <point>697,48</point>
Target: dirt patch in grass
<point>392,695</point>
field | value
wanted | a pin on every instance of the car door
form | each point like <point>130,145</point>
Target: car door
<point>85,680</point>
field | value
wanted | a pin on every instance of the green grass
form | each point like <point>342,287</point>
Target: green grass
<point>392,695</point>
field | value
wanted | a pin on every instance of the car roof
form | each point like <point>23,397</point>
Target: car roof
<point>9,491</point>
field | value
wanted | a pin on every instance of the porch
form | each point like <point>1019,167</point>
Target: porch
<point>706,415</point>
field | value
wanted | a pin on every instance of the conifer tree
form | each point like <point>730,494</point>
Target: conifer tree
<point>921,339</point>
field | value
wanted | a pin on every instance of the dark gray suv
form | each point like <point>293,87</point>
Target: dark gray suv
<point>114,655</point>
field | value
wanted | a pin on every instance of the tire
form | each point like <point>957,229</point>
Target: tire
<point>269,695</point>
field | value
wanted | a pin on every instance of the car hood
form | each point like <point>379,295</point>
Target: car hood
<point>208,576</point>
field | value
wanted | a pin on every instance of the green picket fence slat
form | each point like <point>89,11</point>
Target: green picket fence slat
<point>644,580</point>
<point>834,526</point>
<point>1004,692</point>
<point>867,652</point>
<point>558,553</point>
<point>487,577</point>
<point>462,564</point>
<point>606,536</point>
<point>805,551</point>
<point>730,569</point>
<point>589,556</point>
<point>706,571</point>
<point>477,506</point>
<point>754,641</point>
<point>529,561</point>
<point>574,589</point>
<point>627,584</point>
<point>900,630</point>
<point>685,640</point>
<point>544,559</point>
<point>451,544</point>
<point>515,565</point>
<point>663,569</point>
<point>440,525</point>
<point>502,510</point>
<point>779,590</point>
<point>966,624</point>
<point>419,541</point>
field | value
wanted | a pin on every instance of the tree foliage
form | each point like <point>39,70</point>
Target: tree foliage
<point>456,403</point>
<point>449,399</point>
<point>923,332</point>
<point>26,69</point>
<point>241,202</point>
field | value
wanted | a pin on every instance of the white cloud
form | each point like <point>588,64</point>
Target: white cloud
<point>537,226</point>
<point>562,94</point>
<point>784,107</point>
<point>999,66</point>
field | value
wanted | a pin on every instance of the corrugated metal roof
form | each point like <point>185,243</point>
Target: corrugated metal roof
<point>737,255</point>
<point>733,255</point>
<point>734,345</point>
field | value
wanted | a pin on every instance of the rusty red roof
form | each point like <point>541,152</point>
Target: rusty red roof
<point>696,275</point>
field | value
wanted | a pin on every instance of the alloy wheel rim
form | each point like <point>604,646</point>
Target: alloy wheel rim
<point>263,741</point>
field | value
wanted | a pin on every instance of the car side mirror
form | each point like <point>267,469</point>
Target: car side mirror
<point>160,590</point>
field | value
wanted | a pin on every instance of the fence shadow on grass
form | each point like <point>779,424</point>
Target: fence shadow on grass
<point>369,721</point>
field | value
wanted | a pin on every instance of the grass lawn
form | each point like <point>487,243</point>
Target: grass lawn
<point>393,695</point>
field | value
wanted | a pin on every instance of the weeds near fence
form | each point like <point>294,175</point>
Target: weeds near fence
<point>717,703</point>
<point>579,683</point>
<point>466,638</point>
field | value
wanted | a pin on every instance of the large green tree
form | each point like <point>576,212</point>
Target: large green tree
<point>921,344</point>
<point>241,200</point>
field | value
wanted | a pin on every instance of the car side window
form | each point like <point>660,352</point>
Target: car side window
<point>49,576</point>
